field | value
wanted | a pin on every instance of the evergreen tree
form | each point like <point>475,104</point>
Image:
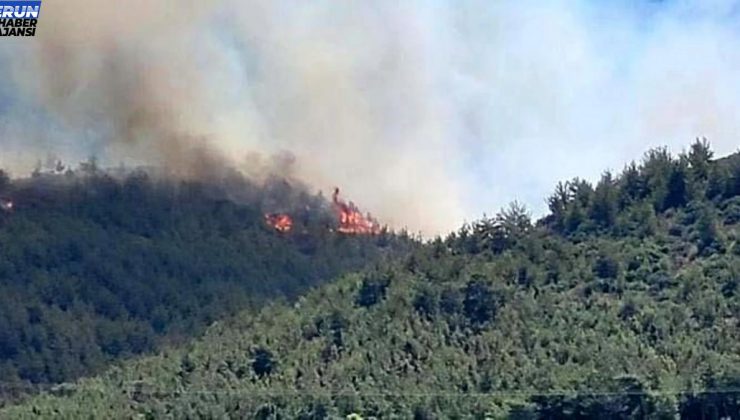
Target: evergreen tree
<point>558,204</point>
<point>631,186</point>
<point>604,206</point>
<point>699,159</point>
<point>709,236</point>
<point>676,188</point>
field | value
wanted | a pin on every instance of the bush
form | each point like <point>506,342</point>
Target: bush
<point>263,363</point>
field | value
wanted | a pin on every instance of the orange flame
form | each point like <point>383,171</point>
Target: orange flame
<point>351,220</point>
<point>279,221</point>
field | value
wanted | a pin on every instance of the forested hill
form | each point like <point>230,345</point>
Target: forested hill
<point>96,266</point>
<point>623,302</point>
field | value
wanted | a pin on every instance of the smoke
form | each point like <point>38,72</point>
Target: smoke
<point>423,113</point>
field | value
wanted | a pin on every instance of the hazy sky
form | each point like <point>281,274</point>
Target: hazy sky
<point>427,113</point>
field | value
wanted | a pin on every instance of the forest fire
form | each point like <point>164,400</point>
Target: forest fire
<point>279,221</point>
<point>351,220</point>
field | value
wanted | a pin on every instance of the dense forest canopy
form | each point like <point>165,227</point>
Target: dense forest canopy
<point>623,302</point>
<point>98,265</point>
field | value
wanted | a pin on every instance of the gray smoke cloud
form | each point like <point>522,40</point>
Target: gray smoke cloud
<point>425,113</point>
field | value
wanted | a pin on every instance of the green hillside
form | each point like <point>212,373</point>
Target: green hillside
<point>96,267</point>
<point>623,302</point>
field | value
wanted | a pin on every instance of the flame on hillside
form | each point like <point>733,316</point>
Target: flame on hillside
<point>279,221</point>
<point>351,219</point>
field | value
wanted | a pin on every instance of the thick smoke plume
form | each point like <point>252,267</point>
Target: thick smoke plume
<point>424,113</point>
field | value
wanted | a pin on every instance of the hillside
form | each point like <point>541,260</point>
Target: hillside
<point>622,302</point>
<point>95,267</point>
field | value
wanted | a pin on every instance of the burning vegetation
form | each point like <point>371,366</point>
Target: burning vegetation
<point>279,221</point>
<point>349,219</point>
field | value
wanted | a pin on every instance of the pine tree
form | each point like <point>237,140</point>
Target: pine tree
<point>631,186</point>
<point>709,236</point>
<point>558,204</point>
<point>676,188</point>
<point>699,159</point>
<point>604,207</point>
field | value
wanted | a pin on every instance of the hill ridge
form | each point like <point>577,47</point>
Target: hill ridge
<point>624,300</point>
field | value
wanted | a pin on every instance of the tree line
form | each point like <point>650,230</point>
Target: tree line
<point>622,302</point>
<point>96,267</point>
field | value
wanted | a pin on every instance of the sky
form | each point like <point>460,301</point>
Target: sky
<point>426,113</point>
